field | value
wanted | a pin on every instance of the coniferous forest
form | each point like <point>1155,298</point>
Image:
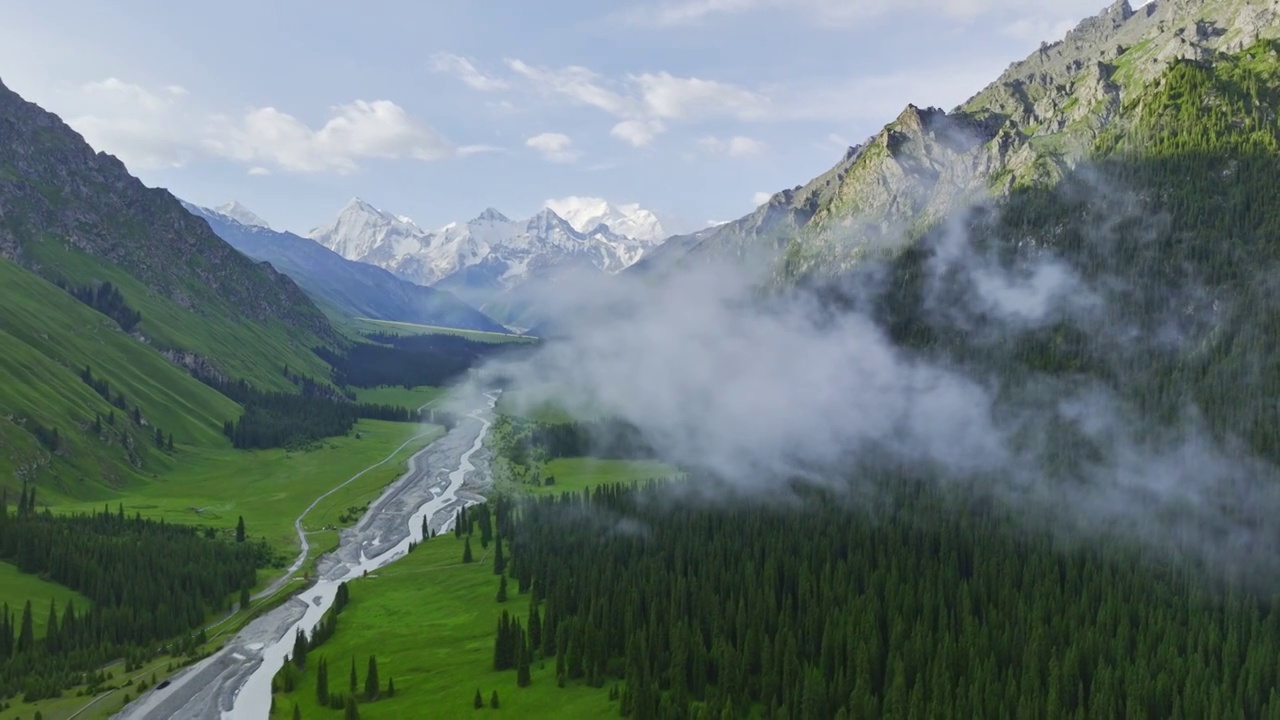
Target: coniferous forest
<point>905,606</point>
<point>148,581</point>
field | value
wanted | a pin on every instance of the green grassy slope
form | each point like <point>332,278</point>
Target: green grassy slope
<point>48,338</point>
<point>253,351</point>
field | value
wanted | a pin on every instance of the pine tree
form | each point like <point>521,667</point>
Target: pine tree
<point>478,703</point>
<point>240,530</point>
<point>354,681</point>
<point>371,685</point>
<point>27,635</point>
<point>391,687</point>
<point>466,551</point>
<point>502,589</point>
<point>322,682</point>
<point>300,647</point>
<point>493,700</point>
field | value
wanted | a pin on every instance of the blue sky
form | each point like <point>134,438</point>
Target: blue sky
<point>439,109</point>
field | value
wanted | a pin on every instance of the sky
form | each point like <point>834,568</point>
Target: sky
<point>695,109</point>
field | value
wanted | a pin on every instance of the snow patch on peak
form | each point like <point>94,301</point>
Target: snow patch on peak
<point>241,214</point>
<point>491,215</point>
<point>629,219</point>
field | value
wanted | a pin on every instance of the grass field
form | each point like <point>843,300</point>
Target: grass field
<point>271,487</point>
<point>405,397</point>
<point>371,325</point>
<point>448,655</point>
<point>17,588</point>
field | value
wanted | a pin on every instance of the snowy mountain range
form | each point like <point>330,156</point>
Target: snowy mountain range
<point>354,288</point>
<point>491,253</point>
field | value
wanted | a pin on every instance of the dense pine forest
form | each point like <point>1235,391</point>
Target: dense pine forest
<point>408,360</point>
<point>148,583</point>
<point>910,605</point>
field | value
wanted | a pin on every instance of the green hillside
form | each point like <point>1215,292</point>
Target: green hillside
<point>49,338</point>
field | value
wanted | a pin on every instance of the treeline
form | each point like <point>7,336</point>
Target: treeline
<point>106,299</point>
<point>406,360</point>
<point>910,608</point>
<point>281,419</point>
<point>148,582</point>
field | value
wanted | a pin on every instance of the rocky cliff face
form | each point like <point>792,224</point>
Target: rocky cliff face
<point>1038,119</point>
<point>55,189</point>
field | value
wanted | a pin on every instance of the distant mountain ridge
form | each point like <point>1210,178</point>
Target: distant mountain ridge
<point>353,288</point>
<point>492,255</point>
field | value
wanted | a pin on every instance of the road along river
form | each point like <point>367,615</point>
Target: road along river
<point>235,682</point>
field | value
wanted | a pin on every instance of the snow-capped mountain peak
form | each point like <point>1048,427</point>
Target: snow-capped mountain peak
<point>492,251</point>
<point>629,220</point>
<point>241,214</point>
<point>491,215</point>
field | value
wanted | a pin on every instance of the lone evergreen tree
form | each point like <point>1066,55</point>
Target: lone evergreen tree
<point>297,712</point>
<point>479,701</point>
<point>355,681</point>
<point>502,589</point>
<point>240,529</point>
<point>371,684</point>
<point>493,700</point>
<point>466,551</point>
<point>391,687</point>
<point>322,682</point>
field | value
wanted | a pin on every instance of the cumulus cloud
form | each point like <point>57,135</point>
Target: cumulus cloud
<point>554,147</point>
<point>165,128</point>
<point>637,132</point>
<point>761,198</point>
<point>466,71</point>
<point>735,146</point>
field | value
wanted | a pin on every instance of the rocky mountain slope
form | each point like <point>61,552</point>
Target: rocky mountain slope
<point>1035,122</point>
<point>79,219</point>
<point>353,288</point>
<point>492,254</point>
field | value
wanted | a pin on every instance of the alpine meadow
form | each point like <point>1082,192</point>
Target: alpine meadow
<point>982,421</point>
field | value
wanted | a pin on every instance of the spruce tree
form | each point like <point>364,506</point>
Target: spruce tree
<point>478,702</point>
<point>27,635</point>
<point>354,680</point>
<point>352,710</point>
<point>322,682</point>
<point>391,687</point>
<point>502,589</point>
<point>466,551</point>
<point>240,530</point>
<point>493,700</point>
<point>371,685</point>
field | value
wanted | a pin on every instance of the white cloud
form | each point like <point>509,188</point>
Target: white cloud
<point>673,13</point>
<point>736,146</point>
<point>466,71</point>
<point>150,129</point>
<point>761,198</point>
<point>643,102</point>
<point>637,132</point>
<point>357,131</point>
<point>555,147</point>
<point>466,150</point>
